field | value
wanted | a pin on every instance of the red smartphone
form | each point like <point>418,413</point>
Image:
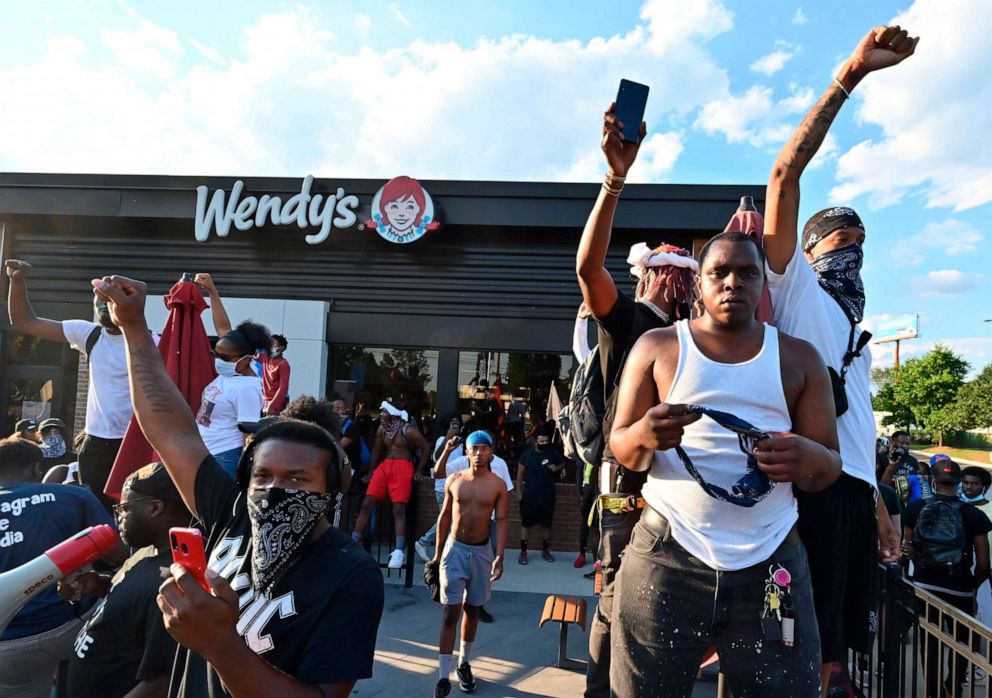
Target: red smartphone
<point>187,550</point>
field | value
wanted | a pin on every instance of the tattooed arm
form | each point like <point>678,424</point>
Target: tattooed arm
<point>880,48</point>
<point>162,412</point>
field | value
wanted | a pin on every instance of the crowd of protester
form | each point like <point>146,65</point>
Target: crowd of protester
<point>742,499</point>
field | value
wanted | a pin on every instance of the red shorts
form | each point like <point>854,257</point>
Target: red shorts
<point>394,476</point>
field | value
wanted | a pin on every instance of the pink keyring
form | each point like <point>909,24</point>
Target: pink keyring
<point>782,577</point>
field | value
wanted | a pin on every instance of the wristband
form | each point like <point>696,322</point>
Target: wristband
<point>842,88</point>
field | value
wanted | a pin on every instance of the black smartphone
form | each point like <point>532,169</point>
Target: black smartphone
<point>632,98</point>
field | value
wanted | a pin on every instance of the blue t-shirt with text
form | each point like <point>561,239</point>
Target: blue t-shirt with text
<point>33,518</point>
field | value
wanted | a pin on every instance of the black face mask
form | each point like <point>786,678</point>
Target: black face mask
<point>281,523</point>
<point>839,274</point>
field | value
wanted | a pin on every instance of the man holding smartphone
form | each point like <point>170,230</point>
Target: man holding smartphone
<point>291,616</point>
<point>664,293</point>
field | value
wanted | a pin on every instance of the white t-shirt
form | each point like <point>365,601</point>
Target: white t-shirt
<point>801,308</point>
<point>457,453</point>
<point>227,401</point>
<point>498,466</point>
<point>108,395</point>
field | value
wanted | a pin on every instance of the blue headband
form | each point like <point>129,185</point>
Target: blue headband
<point>479,438</point>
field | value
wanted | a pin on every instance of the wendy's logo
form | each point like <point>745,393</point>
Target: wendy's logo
<point>402,211</point>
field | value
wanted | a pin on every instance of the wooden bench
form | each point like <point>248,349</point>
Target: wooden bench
<point>565,610</point>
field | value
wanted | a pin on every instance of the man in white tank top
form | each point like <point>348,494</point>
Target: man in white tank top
<point>696,572</point>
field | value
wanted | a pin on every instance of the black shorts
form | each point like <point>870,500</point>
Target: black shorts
<point>537,510</point>
<point>839,528</point>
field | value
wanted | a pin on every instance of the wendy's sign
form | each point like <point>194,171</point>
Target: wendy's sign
<point>402,211</point>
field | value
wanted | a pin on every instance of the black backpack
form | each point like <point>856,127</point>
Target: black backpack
<point>939,539</point>
<point>581,422</point>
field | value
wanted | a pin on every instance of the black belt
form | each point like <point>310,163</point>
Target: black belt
<point>654,520</point>
<point>485,541</point>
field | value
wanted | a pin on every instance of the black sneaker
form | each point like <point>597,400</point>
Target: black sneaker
<point>484,615</point>
<point>442,689</point>
<point>466,681</point>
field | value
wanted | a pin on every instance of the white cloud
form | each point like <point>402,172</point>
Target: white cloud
<point>148,49</point>
<point>946,282</point>
<point>799,17</point>
<point>208,52</point>
<point>933,113</point>
<point>289,102</point>
<point>362,24</point>
<point>771,63</point>
<point>398,15</point>
<point>754,116</point>
<point>951,237</point>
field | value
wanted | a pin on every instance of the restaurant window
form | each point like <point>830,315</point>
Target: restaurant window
<point>36,374</point>
<point>407,378</point>
<point>489,383</point>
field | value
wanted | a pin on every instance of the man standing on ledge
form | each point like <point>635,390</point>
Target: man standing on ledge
<point>293,613</point>
<point>464,556</point>
<point>713,561</point>
<point>817,295</point>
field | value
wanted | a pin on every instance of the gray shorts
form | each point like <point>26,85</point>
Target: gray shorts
<point>465,572</point>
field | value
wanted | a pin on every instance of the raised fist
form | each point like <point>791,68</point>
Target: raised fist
<point>883,47</point>
<point>17,269</point>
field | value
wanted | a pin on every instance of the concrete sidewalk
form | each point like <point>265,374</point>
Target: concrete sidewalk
<point>512,656</point>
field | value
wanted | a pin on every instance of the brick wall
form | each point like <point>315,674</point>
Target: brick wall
<point>564,531</point>
<point>82,383</point>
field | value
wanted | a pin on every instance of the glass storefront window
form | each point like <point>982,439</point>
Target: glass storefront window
<point>490,383</point>
<point>407,378</point>
<point>23,349</point>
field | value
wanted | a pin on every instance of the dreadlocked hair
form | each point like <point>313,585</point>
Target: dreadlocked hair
<point>678,283</point>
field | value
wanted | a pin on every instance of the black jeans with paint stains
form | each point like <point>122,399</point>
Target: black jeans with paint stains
<point>669,608</point>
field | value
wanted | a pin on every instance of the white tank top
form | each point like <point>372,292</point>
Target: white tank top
<point>722,535</point>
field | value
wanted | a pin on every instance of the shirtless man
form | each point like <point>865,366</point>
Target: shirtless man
<point>695,571</point>
<point>466,560</point>
<point>393,473</point>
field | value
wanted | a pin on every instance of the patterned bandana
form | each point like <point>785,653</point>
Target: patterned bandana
<point>281,524</point>
<point>839,273</point>
<point>53,446</point>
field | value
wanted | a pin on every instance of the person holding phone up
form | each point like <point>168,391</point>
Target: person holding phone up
<point>292,617</point>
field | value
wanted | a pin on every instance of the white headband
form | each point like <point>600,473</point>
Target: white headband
<point>395,412</point>
<point>641,257</point>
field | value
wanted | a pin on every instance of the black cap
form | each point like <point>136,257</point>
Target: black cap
<point>26,425</point>
<point>52,422</point>
<point>257,426</point>
<point>946,471</point>
<point>153,481</point>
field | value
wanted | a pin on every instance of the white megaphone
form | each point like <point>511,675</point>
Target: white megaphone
<point>21,584</point>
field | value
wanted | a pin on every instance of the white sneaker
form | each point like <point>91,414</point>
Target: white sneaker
<point>397,559</point>
<point>426,553</point>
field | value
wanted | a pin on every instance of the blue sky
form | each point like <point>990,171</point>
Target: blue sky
<point>514,90</point>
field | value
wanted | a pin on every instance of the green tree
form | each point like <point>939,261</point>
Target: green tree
<point>929,387</point>
<point>974,404</point>
<point>885,401</point>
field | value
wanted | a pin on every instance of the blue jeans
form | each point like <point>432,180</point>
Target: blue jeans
<point>670,607</point>
<point>430,538</point>
<point>228,460</point>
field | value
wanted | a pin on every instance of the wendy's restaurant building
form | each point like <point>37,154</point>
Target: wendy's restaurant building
<point>421,293</point>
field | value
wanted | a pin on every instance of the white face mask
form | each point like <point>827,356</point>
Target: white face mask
<point>225,368</point>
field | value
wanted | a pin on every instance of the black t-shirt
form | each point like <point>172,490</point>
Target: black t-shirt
<point>538,478</point>
<point>891,499</point>
<point>976,523</point>
<point>907,464</point>
<point>617,332</point>
<point>319,624</point>
<point>125,641</point>
<point>354,450</point>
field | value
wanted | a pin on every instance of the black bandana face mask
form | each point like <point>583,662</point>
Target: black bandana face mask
<point>839,273</point>
<point>281,524</point>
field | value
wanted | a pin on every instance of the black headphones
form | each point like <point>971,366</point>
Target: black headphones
<point>339,461</point>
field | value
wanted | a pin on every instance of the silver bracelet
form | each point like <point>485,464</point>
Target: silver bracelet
<point>842,88</point>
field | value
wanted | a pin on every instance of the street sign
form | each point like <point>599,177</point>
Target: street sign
<point>900,327</point>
